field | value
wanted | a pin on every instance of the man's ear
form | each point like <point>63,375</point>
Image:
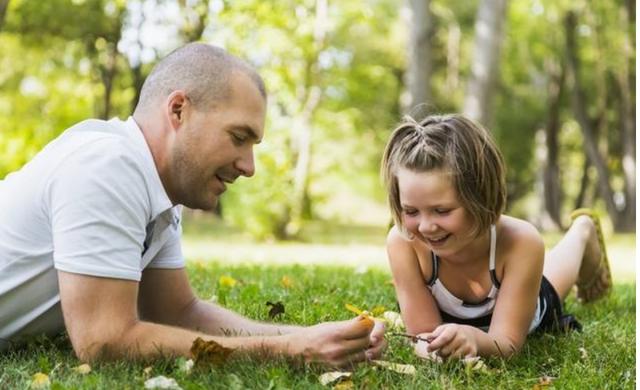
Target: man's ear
<point>177,103</point>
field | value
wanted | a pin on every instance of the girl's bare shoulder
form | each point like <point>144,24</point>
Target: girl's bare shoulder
<point>517,235</point>
<point>512,228</point>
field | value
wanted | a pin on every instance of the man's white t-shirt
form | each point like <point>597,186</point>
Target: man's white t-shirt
<point>92,203</point>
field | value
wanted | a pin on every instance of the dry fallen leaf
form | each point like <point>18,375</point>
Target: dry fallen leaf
<point>227,281</point>
<point>420,349</point>
<point>286,282</point>
<point>209,352</point>
<point>162,382</point>
<point>40,381</point>
<point>276,309</point>
<point>407,369</point>
<point>329,378</point>
<point>82,369</point>
<point>147,370</point>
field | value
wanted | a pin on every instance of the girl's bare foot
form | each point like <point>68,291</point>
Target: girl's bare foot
<point>594,277</point>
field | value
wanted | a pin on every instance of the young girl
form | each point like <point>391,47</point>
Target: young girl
<point>468,279</point>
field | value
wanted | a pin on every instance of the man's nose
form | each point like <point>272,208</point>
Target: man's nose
<point>246,164</point>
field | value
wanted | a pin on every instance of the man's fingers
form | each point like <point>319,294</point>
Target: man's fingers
<point>357,327</point>
<point>377,334</point>
<point>376,351</point>
<point>351,359</point>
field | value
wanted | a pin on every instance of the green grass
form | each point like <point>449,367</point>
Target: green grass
<point>318,294</point>
<point>347,264</point>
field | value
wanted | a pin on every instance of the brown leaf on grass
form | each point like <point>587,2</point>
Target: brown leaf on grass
<point>276,309</point>
<point>209,352</point>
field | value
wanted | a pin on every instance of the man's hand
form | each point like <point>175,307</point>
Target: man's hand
<point>452,340</point>
<point>338,343</point>
<point>377,340</point>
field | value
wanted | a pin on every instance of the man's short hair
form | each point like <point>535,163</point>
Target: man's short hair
<point>203,71</point>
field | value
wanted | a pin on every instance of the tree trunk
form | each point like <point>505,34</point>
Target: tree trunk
<point>304,126</point>
<point>584,186</point>
<point>485,60</point>
<point>420,64</point>
<point>453,55</point>
<point>4,4</point>
<point>552,187</point>
<point>578,103</point>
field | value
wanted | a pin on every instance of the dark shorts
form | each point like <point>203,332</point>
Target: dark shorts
<point>554,319</point>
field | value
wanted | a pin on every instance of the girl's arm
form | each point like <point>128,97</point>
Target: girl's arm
<point>417,306</point>
<point>519,290</point>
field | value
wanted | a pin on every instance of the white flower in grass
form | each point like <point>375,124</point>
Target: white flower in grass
<point>161,382</point>
<point>393,321</point>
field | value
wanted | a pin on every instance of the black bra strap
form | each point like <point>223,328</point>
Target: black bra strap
<point>434,269</point>
<point>494,278</point>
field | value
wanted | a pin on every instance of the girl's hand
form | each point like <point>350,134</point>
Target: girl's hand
<point>453,340</point>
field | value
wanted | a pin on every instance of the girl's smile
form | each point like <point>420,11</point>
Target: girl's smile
<point>431,210</point>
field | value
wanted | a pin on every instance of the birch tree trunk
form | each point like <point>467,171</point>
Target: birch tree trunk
<point>304,126</point>
<point>485,61</point>
<point>420,64</point>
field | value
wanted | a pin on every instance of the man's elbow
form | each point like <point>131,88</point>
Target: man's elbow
<point>99,345</point>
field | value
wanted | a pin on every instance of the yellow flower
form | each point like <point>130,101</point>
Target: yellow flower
<point>286,282</point>
<point>227,281</point>
<point>40,381</point>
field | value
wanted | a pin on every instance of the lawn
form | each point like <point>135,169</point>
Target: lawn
<point>336,269</point>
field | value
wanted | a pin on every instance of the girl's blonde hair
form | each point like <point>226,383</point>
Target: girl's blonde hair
<point>458,146</point>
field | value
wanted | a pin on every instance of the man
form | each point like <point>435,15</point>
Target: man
<point>90,228</point>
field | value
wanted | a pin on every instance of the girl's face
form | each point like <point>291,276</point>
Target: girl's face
<point>431,211</point>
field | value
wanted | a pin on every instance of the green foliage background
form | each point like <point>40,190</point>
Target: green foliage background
<point>56,55</point>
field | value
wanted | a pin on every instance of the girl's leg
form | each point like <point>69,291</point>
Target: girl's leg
<point>576,258</point>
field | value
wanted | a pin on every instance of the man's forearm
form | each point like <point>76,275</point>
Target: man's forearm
<point>144,340</point>
<point>212,319</point>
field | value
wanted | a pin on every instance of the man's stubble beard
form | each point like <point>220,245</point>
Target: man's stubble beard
<point>192,188</point>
